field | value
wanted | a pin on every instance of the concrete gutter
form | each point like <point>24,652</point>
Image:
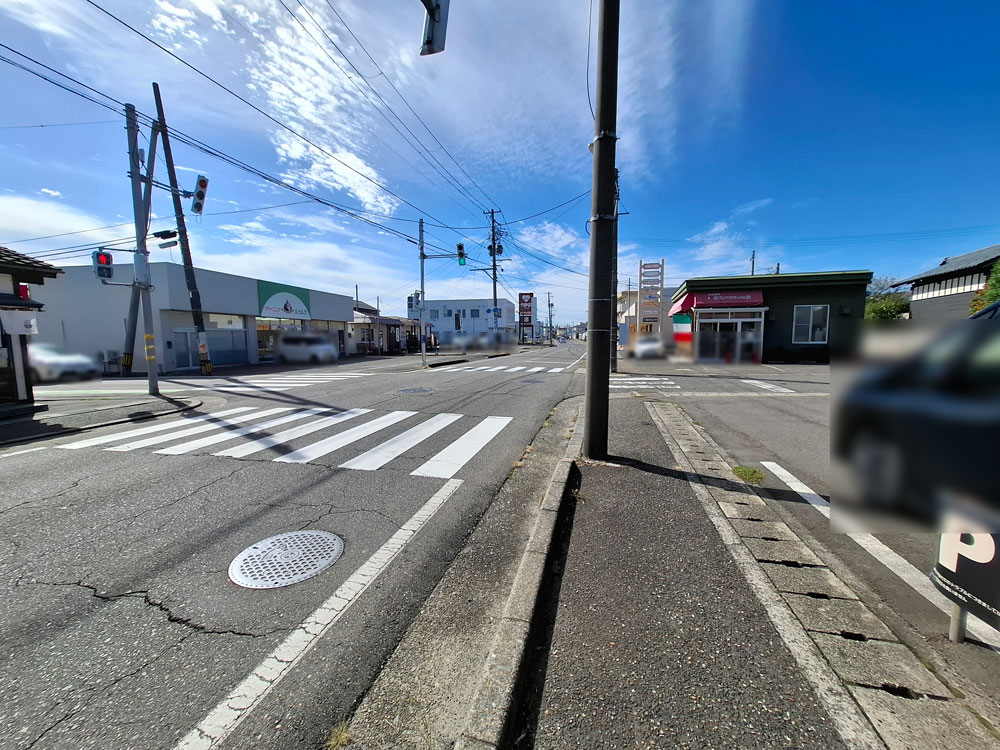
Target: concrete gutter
<point>494,700</point>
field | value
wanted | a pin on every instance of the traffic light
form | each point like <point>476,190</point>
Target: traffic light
<point>104,267</point>
<point>200,188</point>
<point>461,254</point>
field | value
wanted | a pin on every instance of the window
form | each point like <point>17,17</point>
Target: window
<point>434,314</point>
<point>447,313</point>
<point>810,324</point>
<point>474,312</point>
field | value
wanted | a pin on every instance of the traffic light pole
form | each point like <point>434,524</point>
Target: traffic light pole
<point>602,220</point>
<point>140,210</point>
<point>204,358</point>
<point>423,331</point>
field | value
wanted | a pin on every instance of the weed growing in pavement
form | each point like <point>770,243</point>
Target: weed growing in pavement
<point>749,475</point>
<point>340,736</point>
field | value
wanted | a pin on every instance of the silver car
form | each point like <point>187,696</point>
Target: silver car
<point>48,362</point>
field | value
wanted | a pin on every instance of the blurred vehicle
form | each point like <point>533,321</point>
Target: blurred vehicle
<point>48,362</point>
<point>305,347</point>
<point>649,347</point>
<point>562,339</point>
<point>915,438</point>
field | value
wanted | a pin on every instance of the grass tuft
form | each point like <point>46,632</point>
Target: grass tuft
<point>340,736</point>
<point>749,475</point>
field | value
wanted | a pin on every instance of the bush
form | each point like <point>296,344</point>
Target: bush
<point>889,307</point>
<point>989,293</point>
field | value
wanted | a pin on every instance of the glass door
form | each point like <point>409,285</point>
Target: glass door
<point>185,349</point>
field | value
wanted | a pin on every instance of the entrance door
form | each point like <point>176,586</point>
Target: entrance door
<point>186,349</point>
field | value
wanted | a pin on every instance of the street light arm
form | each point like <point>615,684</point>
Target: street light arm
<point>433,9</point>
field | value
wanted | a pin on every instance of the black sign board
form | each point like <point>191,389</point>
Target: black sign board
<point>968,573</point>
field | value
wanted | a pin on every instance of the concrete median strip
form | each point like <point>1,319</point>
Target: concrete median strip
<point>874,687</point>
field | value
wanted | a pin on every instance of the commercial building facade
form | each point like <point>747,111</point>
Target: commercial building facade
<point>776,318</point>
<point>944,292</point>
<point>244,317</point>
<point>455,318</point>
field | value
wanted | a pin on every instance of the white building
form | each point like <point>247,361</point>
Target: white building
<point>467,317</point>
<point>243,316</point>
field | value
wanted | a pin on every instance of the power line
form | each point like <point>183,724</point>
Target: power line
<point>56,125</point>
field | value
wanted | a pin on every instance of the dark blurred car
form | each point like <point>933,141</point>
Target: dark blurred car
<point>918,437</point>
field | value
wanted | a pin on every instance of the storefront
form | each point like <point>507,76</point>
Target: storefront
<point>796,317</point>
<point>244,317</point>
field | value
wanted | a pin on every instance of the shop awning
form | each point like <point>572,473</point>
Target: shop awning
<point>737,298</point>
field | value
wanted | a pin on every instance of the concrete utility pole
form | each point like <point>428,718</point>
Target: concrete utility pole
<point>204,360</point>
<point>602,219</point>
<point>495,250</point>
<point>140,209</point>
<point>550,316</point>
<point>423,331</point>
<point>753,260</point>
<point>614,317</point>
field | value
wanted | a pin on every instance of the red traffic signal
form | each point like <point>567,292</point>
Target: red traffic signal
<point>104,268</point>
<point>200,188</point>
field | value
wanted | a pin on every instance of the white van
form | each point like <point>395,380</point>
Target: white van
<point>305,347</point>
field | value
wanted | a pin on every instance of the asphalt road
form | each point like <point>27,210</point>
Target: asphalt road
<point>781,420</point>
<point>122,628</point>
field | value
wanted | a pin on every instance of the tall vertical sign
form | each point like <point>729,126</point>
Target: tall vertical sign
<point>650,308</point>
<point>525,302</point>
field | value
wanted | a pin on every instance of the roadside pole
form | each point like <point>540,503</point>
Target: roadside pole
<point>192,284</point>
<point>614,285</point>
<point>549,300</point>
<point>495,250</point>
<point>140,210</point>
<point>595,430</point>
<point>423,331</point>
<point>130,326</point>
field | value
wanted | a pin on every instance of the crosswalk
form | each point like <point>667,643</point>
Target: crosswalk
<point>642,383</point>
<point>271,383</point>
<point>505,368</point>
<point>253,428</point>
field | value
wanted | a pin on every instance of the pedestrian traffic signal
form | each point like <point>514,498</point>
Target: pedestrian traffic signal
<point>461,254</point>
<point>200,188</point>
<point>104,268</point>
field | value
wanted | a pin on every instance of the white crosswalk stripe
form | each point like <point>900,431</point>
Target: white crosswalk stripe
<point>276,382</point>
<point>462,437</point>
<point>768,386</point>
<point>504,368</point>
<point>642,383</point>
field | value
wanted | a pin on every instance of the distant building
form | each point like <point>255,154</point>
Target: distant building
<point>629,325</point>
<point>467,317</point>
<point>944,292</point>
<point>793,317</point>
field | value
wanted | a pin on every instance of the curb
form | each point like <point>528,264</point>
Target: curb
<point>73,430</point>
<point>492,703</point>
<point>444,364</point>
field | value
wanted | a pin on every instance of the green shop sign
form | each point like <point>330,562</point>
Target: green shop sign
<point>283,301</point>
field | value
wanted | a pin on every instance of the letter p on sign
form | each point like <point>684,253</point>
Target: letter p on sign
<point>980,548</point>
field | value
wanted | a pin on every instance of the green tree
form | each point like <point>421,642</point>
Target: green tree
<point>884,301</point>
<point>989,293</point>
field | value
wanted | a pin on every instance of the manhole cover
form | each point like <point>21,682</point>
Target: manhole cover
<point>285,559</point>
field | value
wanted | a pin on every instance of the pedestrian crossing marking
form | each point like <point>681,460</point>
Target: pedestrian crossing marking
<point>330,444</point>
<point>642,383</point>
<point>497,369</point>
<point>89,442</point>
<point>379,456</point>
<point>447,462</point>
<point>503,368</point>
<point>768,386</point>
<point>515,369</point>
<point>250,426</point>
<point>535,369</point>
<point>156,439</point>
<point>176,450</point>
<point>270,441</point>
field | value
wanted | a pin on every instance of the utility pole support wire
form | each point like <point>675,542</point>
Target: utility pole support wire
<point>601,305</point>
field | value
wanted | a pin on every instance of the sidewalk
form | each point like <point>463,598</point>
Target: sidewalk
<point>73,414</point>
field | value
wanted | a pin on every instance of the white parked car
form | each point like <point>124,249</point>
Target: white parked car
<point>649,347</point>
<point>48,362</point>
<point>305,347</point>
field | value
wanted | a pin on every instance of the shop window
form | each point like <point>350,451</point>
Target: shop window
<point>474,312</point>
<point>434,314</point>
<point>221,320</point>
<point>810,324</point>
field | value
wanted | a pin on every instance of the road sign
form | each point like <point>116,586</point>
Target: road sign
<point>968,573</point>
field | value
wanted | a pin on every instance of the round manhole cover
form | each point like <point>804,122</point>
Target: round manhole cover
<point>285,559</point>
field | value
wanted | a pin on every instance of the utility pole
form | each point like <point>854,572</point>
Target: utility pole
<point>753,260</point>
<point>777,268</point>
<point>423,331</point>
<point>628,302</point>
<point>140,210</point>
<point>495,250</point>
<point>602,219</point>
<point>550,316</point>
<point>204,360</point>
<point>614,283</point>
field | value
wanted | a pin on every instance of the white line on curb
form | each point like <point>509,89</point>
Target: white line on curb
<point>245,697</point>
<point>918,581</point>
<point>26,450</point>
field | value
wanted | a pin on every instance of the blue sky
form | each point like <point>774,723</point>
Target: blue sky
<point>822,136</point>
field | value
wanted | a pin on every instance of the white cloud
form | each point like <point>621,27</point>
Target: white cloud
<point>53,193</point>
<point>23,218</point>
<point>748,208</point>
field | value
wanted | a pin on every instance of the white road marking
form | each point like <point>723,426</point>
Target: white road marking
<point>26,450</point>
<point>774,367</point>
<point>272,440</point>
<point>557,369</point>
<point>242,389</point>
<point>245,697</point>
<point>515,369</point>
<point>495,369</point>
<point>918,581</point>
<point>455,456</point>
<point>191,445</point>
<point>379,456</point>
<point>146,442</point>
<point>153,428</point>
<point>768,386</point>
<point>477,369</point>
<point>535,369</point>
<point>579,359</point>
<point>330,444</point>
